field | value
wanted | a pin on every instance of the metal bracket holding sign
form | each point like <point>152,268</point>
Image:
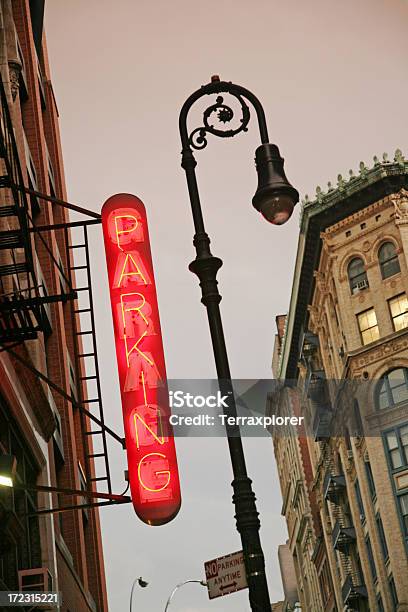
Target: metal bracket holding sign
<point>225,575</point>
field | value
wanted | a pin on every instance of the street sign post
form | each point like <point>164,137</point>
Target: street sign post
<point>225,575</point>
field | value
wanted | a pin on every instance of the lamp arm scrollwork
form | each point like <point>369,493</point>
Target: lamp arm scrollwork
<point>222,113</point>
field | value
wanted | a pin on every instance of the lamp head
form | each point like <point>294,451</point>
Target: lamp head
<point>8,466</point>
<point>275,198</point>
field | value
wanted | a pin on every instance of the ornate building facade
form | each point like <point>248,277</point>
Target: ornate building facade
<point>40,549</point>
<point>342,358</point>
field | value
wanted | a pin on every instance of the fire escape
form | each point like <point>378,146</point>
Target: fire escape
<point>344,539</point>
<point>316,389</point>
<point>25,309</point>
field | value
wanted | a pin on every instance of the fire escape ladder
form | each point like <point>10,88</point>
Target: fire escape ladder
<point>25,303</point>
<point>341,547</point>
<point>353,590</point>
<point>343,540</point>
<point>343,534</point>
<point>21,312</point>
<point>86,359</point>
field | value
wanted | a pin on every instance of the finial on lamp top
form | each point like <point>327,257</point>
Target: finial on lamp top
<point>215,78</point>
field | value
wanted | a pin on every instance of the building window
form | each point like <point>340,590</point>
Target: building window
<point>371,559</point>
<point>403,502</point>
<point>359,500</point>
<point>367,323</point>
<point>399,311</point>
<point>393,388</point>
<point>358,421</point>
<point>370,479</point>
<point>388,258</point>
<point>380,603</point>
<point>357,275</point>
<point>381,536</point>
<point>397,444</point>
<point>326,587</point>
<point>20,543</point>
<point>393,592</point>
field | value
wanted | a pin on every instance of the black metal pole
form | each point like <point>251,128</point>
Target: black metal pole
<point>206,266</point>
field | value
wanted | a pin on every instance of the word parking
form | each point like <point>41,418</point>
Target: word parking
<point>152,462</point>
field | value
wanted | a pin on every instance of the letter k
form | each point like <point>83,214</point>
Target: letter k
<point>221,400</point>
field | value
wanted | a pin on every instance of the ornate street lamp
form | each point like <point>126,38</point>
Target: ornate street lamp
<point>275,199</point>
<point>178,586</point>
<point>142,583</point>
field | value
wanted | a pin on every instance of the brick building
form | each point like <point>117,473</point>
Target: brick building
<point>343,353</point>
<point>39,334</point>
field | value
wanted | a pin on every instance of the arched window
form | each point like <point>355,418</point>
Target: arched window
<point>357,275</point>
<point>388,258</point>
<point>392,388</point>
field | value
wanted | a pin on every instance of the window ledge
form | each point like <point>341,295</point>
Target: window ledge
<point>383,340</point>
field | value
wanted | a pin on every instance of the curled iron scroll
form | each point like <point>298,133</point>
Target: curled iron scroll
<point>224,115</point>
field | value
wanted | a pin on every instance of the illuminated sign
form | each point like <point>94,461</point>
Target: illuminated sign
<point>151,453</point>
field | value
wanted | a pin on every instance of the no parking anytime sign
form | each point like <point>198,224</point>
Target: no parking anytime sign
<point>225,575</point>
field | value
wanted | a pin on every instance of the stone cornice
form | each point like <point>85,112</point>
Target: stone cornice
<point>355,183</point>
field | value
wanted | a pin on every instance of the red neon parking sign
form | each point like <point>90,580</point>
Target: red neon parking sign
<point>151,454</point>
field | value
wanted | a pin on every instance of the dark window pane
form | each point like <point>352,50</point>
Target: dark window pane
<point>393,389</point>
<point>389,268</point>
<point>396,459</point>
<point>403,501</point>
<point>356,273</point>
<point>388,258</point>
<point>370,479</point>
<point>358,420</point>
<point>393,592</point>
<point>359,500</point>
<point>371,559</point>
<point>381,536</point>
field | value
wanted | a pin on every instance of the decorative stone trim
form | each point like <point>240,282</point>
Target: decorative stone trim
<point>400,201</point>
<point>14,73</point>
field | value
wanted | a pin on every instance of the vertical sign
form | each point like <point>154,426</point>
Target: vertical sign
<point>151,453</point>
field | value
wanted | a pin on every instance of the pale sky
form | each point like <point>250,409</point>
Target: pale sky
<point>332,79</point>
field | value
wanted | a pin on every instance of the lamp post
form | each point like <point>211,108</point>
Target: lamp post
<point>176,588</point>
<point>142,583</point>
<point>275,199</point>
